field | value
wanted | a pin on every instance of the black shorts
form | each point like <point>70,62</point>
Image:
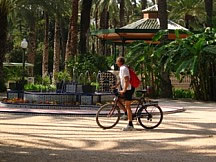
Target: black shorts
<point>128,95</point>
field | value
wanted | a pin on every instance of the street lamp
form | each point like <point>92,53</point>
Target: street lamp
<point>24,45</point>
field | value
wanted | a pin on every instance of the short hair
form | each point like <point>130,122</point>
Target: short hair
<point>121,59</point>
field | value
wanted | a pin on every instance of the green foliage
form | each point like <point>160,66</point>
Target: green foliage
<point>182,93</point>
<point>13,73</point>
<point>195,57</point>
<point>140,57</point>
<point>88,62</point>
<point>194,9</point>
<point>46,81</point>
<point>39,87</point>
<point>2,85</point>
<point>110,60</point>
<point>38,79</point>
<point>62,76</point>
<point>96,84</point>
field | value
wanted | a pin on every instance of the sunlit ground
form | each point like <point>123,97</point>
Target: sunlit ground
<point>187,136</point>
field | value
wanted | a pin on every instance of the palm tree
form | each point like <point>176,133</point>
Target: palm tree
<point>60,9</point>
<point>71,47</point>
<point>122,13</point>
<point>162,14</point>
<point>209,12</point>
<point>166,86</point>
<point>85,24</point>
<point>190,12</point>
<point>56,58</point>
<point>5,7</point>
<point>144,4</point>
<point>46,46</point>
<point>107,10</point>
<point>27,11</point>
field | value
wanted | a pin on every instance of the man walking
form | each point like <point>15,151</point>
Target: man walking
<point>126,91</point>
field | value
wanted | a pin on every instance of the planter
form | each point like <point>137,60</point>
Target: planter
<point>19,86</point>
<point>88,89</point>
<point>15,94</point>
<point>60,87</point>
<point>79,88</point>
<point>70,88</point>
<point>12,86</point>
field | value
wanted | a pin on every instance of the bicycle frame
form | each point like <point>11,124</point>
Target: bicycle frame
<point>141,102</point>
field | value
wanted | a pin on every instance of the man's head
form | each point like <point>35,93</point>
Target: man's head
<point>120,61</point>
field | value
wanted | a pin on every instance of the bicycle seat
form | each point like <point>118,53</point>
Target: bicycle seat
<point>142,91</point>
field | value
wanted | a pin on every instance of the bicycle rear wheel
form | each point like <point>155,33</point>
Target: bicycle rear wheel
<point>150,116</point>
<point>108,116</point>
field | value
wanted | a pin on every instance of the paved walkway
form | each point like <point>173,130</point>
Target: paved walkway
<point>187,136</point>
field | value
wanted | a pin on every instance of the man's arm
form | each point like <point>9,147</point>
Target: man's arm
<point>117,85</point>
<point>126,83</point>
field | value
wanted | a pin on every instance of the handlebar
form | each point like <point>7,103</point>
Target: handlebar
<point>116,92</point>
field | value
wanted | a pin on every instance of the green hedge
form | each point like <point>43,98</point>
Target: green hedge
<point>182,93</point>
<point>39,87</point>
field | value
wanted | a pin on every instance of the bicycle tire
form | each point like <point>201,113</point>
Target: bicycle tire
<point>149,119</point>
<point>104,120</point>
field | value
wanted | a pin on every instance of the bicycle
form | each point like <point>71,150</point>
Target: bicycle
<point>148,113</point>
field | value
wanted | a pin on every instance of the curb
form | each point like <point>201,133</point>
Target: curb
<point>72,112</point>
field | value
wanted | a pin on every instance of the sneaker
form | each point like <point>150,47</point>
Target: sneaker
<point>124,117</point>
<point>129,128</point>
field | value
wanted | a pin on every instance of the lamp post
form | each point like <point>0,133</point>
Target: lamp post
<point>24,45</point>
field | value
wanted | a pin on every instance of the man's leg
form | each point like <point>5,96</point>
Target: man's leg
<point>122,106</point>
<point>129,111</point>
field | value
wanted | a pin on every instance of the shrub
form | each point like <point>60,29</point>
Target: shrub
<point>39,87</point>
<point>182,93</point>
<point>62,75</point>
<point>88,62</point>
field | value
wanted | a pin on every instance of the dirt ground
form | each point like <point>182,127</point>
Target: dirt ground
<point>186,136</point>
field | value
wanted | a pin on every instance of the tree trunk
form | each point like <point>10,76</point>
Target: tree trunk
<point>104,24</point>
<point>63,42</point>
<point>3,40</point>
<point>144,4</point>
<point>134,4</point>
<point>209,12</point>
<point>104,19</point>
<point>46,47</point>
<point>56,59</point>
<point>162,14</point>
<point>166,86</point>
<point>84,25</point>
<point>122,13</point>
<point>71,47</point>
<point>32,45</point>
<point>188,19</point>
<point>96,26</point>
<point>68,49</point>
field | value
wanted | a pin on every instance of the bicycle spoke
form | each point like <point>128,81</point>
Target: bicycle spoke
<point>108,116</point>
<point>150,117</point>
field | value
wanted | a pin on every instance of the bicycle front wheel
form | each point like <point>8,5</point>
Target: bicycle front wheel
<point>150,116</point>
<point>108,116</point>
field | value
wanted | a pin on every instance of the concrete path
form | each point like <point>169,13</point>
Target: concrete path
<point>186,136</point>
